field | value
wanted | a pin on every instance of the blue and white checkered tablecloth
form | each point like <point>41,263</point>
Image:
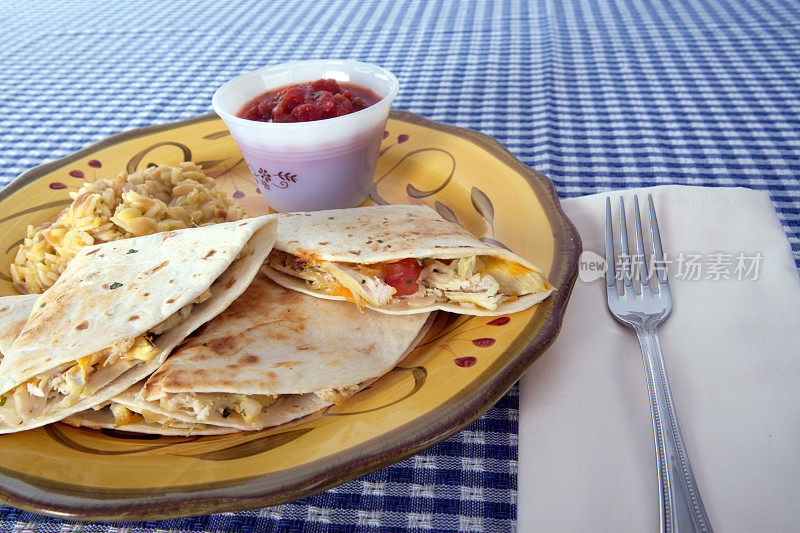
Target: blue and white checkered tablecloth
<point>598,95</point>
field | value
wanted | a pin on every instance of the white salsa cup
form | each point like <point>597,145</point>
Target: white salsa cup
<point>310,166</point>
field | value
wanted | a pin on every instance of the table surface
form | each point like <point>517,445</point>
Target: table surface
<point>598,95</point>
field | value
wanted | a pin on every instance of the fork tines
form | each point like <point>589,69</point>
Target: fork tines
<point>635,274</point>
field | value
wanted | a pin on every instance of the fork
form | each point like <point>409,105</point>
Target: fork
<point>639,307</point>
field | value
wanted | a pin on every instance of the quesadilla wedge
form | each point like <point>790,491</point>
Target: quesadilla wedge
<point>400,259</point>
<point>275,355</point>
<point>117,311</point>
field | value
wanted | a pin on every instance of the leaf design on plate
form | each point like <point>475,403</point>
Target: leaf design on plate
<point>411,190</point>
<point>217,135</point>
<point>465,362</point>
<point>57,185</point>
<point>253,447</point>
<point>126,435</point>
<point>211,163</point>
<point>77,174</point>
<point>499,321</point>
<point>134,161</point>
<point>55,433</point>
<point>15,243</point>
<point>482,205</point>
<point>443,325</point>
<point>487,240</point>
<point>420,375</point>
<point>445,212</point>
<point>37,208</point>
<point>485,342</point>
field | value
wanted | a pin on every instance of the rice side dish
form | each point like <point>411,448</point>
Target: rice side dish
<point>149,201</point>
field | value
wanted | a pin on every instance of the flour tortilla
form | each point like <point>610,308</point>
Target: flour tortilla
<point>14,312</point>
<point>275,341</point>
<point>382,234</point>
<point>124,288</point>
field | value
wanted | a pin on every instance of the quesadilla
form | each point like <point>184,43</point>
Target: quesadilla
<point>272,356</point>
<point>400,259</point>
<point>117,311</point>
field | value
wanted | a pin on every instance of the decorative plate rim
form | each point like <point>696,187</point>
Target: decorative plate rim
<point>37,495</point>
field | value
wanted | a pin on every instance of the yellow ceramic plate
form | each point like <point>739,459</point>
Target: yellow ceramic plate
<point>462,367</point>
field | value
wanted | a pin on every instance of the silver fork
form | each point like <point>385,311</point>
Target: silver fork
<point>642,309</point>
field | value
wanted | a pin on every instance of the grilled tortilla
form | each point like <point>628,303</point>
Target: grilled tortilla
<point>272,356</point>
<point>14,311</point>
<point>117,311</point>
<point>357,255</point>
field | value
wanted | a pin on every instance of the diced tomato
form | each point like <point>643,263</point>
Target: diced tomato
<point>403,276</point>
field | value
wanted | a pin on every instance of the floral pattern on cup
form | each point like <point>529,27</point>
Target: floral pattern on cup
<point>281,179</point>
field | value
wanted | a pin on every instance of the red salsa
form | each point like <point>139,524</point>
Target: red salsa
<point>305,102</point>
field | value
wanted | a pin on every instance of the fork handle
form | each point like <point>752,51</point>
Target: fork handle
<point>681,507</point>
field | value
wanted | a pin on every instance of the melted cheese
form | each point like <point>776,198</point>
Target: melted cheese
<point>515,279</point>
<point>511,267</point>
<point>142,350</point>
<point>123,415</point>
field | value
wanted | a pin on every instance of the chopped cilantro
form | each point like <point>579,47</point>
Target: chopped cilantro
<point>2,400</point>
<point>380,240</point>
<point>226,413</point>
<point>132,251</point>
<point>363,281</point>
<point>410,280</point>
<point>388,245</point>
<point>115,285</point>
<point>423,260</point>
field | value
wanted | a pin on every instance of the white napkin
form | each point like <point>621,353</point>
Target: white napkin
<point>732,352</point>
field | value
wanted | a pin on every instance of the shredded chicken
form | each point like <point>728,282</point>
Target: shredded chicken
<point>461,281</point>
<point>361,283</point>
<point>336,395</point>
<point>203,405</point>
<point>300,268</point>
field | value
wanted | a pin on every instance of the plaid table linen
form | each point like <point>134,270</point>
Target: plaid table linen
<point>598,95</point>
